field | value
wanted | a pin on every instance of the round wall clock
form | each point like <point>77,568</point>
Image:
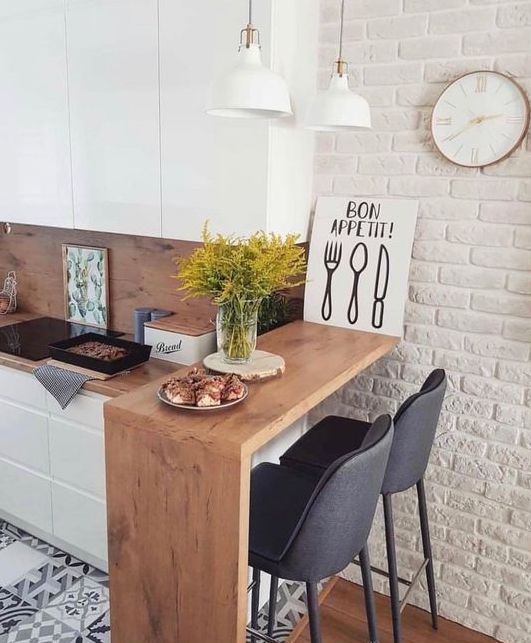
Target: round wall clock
<point>480,118</point>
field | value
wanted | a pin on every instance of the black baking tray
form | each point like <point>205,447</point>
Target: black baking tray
<point>137,354</point>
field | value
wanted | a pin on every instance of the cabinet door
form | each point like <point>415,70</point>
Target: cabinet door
<point>77,456</point>
<point>80,520</point>
<point>212,168</point>
<point>114,114</point>
<point>25,495</point>
<point>35,180</point>
<point>24,437</point>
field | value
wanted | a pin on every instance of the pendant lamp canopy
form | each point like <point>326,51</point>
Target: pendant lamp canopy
<point>338,108</point>
<point>250,89</point>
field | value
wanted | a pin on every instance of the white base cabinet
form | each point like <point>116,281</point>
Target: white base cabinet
<point>52,466</point>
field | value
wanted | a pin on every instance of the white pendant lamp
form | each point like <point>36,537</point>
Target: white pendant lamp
<point>250,90</point>
<point>338,108</point>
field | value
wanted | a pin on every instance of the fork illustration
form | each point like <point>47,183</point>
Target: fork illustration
<point>332,259</point>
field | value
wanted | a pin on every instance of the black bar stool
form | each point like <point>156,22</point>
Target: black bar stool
<point>307,527</point>
<point>415,425</point>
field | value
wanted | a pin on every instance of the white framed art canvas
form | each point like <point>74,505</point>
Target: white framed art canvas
<point>358,267</point>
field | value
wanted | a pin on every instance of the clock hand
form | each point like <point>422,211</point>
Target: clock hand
<point>473,121</point>
<point>459,132</point>
<point>480,119</point>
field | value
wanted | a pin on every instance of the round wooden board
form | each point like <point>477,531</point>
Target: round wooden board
<point>261,366</point>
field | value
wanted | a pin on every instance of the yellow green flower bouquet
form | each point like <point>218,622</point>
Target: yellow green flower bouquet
<point>237,273</point>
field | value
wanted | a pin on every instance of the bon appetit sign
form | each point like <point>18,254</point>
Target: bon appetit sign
<point>358,267</point>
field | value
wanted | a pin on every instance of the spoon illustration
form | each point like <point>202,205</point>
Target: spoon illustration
<point>358,263</point>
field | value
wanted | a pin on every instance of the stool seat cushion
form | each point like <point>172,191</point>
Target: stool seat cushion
<point>329,439</point>
<point>279,496</point>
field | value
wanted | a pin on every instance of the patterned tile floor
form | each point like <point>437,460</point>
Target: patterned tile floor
<point>48,596</point>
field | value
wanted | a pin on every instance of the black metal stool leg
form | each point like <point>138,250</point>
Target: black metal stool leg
<point>393,573</point>
<point>255,601</point>
<point>368,593</point>
<point>272,614</point>
<point>313,612</point>
<point>426,545</point>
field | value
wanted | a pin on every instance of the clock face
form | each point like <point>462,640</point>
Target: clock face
<point>479,119</point>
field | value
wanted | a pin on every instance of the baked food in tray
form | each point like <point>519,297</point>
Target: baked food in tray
<point>99,350</point>
<point>100,353</point>
<point>199,390</point>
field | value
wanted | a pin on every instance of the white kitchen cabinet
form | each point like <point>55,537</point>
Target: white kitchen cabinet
<point>86,408</point>
<point>103,123</point>
<point>77,456</point>
<point>25,495</point>
<point>35,177</point>
<point>80,519</point>
<point>24,437</point>
<point>114,114</point>
<point>52,466</point>
<point>22,388</point>
<point>242,175</point>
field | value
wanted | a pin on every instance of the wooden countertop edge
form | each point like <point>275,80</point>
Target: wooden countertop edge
<point>318,396</point>
<point>142,411</point>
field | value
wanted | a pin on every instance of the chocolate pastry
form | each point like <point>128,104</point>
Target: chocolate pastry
<point>179,392</point>
<point>233,390</point>
<point>197,388</point>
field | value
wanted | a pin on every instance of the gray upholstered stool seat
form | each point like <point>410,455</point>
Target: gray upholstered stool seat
<point>328,440</point>
<point>306,527</point>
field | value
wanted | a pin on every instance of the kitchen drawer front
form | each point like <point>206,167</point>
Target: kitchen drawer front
<point>22,387</point>
<point>85,408</point>
<point>77,456</point>
<point>24,436</point>
<point>80,520</point>
<point>25,495</point>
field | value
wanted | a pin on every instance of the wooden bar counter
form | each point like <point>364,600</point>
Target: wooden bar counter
<point>178,489</point>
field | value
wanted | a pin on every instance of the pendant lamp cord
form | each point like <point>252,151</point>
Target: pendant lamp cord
<point>250,12</point>
<point>340,29</point>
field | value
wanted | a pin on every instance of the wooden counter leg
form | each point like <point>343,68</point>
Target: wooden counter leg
<point>178,537</point>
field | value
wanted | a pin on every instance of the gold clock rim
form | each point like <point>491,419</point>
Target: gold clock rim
<point>521,136</point>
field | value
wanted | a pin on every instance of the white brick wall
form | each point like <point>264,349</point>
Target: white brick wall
<point>470,286</point>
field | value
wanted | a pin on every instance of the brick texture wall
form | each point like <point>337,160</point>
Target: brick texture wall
<point>469,308</point>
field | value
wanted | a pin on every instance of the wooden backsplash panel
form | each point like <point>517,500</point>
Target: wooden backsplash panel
<point>140,268</point>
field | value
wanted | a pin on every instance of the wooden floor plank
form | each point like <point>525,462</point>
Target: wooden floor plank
<point>343,621</point>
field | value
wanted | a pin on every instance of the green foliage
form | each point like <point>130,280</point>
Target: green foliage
<point>237,274</point>
<point>274,311</point>
<point>234,269</point>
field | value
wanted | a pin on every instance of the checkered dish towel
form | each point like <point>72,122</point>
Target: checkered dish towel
<point>62,384</point>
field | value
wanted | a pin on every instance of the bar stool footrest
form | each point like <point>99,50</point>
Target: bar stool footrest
<point>410,584</point>
<point>260,635</point>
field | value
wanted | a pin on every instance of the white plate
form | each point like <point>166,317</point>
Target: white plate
<point>161,394</point>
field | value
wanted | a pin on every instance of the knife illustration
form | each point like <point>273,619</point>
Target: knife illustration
<point>380,287</point>
<point>358,263</point>
<point>332,259</point>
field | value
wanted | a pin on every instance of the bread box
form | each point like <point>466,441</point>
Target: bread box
<point>176,339</point>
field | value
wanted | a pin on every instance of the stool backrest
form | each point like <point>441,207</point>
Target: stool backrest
<point>337,520</point>
<point>415,426</point>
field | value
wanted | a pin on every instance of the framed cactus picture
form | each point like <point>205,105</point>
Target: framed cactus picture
<point>86,283</point>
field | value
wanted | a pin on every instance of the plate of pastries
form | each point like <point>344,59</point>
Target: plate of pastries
<point>199,391</point>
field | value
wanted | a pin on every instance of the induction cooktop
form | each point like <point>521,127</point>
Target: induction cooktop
<point>30,339</point>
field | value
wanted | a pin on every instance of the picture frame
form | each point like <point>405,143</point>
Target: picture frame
<point>86,285</point>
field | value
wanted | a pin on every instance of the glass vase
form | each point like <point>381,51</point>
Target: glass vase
<point>236,330</point>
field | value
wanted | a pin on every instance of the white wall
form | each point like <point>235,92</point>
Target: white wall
<point>469,308</point>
